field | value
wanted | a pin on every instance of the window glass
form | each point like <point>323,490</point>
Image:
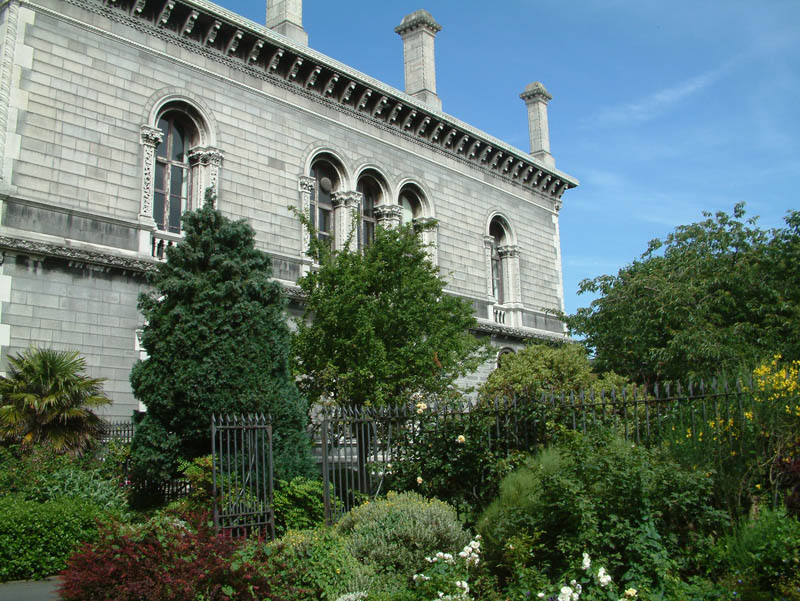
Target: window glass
<point>172,186</point>
<point>371,194</point>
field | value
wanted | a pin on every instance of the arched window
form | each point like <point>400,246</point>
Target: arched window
<point>498,235</point>
<point>411,204</point>
<point>178,167</point>
<point>327,183</point>
<point>172,184</point>
<point>371,196</point>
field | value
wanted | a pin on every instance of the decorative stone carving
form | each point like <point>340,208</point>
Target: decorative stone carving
<point>75,255</point>
<point>305,186</point>
<point>292,73</point>
<point>163,17</point>
<point>256,50</point>
<point>276,58</point>
<point>188,25</point>
<point>388,216</point>
<point>345,215</point>
<point>488,247</point>
<point>362,103</point>
<point>329,87</point>
<point>7,49</point>
<point>348,91</point>
<point>233,43</point>
<point>409,120</point>
<point>311,80</point>
<point>150,139</point>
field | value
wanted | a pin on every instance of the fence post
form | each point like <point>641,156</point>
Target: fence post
<point>326,476</point>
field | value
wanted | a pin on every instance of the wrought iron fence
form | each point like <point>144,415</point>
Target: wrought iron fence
<point>362,451</point>
<point>122,431</point>
<point>242,474</point>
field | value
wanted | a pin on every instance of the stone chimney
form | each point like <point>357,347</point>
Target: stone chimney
<point>286,17</point>
<point>418,31</point>
<point>536,97</point>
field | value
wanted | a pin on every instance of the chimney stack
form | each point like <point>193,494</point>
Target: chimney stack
<point>418,31</point>
<point>286,17</point>
<point>536,97</point>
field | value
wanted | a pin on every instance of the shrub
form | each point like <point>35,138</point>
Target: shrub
<point>168,560</point>
<point>761,557</point>
<point>48,397</point>
<point>298,504</point>
<point>37,538</point>
<point>318,565</point>
<point>398,532</point>
<point>633,508</point>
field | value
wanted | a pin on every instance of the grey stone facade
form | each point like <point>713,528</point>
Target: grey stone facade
<point>84,85</point>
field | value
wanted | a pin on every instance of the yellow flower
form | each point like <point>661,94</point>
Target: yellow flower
<point>460,439</point>
<point>758,487</point>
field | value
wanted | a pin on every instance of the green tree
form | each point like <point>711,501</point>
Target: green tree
<point>48,398</point>
<point>217,342</point>
<point>378,326</point>
<point>715,295</point>
<point>545,368</point>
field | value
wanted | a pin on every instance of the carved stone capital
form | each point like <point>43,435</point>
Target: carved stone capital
<point>306,184</point>
<point>348,200</point>
<point>207,155</point>
<point>386,212</point>
<point>151,136</point>
<point>508,251</point>
<point>488,241</point>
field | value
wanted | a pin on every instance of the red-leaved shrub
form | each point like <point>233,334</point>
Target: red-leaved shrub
<point>169,560</point>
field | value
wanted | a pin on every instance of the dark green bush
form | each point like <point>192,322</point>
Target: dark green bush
<point>37,538</point>
<point>395,534</point>
<point>317,564</point>
<point>298,504</point>
<point>632,508</point>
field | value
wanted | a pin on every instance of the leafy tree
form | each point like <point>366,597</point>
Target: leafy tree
<point>378,326</point>
<point>714,295</point>
<point>217,342</point>
<point>48,398</point>
<point>544,368</point>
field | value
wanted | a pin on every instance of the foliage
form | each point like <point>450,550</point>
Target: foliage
<point>452,452</point>
<point>395,534</point>
<point>748,437</point>
<point>711,296</point>
<point>383,328</point>
<point>48,397</point>
<point>36,538</point>
<point>168,560</point>
<point>547,368</point>
<point>41,474</point>
<point>316,564</point>
<point>761,557</point>
<point>634,508</point>
<point>298,504</point>
<point>217,342</point>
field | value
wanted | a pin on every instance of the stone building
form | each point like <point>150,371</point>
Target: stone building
<point>116,115</point>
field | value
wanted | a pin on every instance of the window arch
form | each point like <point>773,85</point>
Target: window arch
<point>410,200</point>
<point>325,170</point>
<point>502,264</point>
<point>178,168</point>
<point>371,187</point>
<point>173,183</point>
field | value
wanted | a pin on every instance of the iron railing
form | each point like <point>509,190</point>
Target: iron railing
<point>241,448</point>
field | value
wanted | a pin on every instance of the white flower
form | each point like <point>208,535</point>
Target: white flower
<point>565,594</point>
<point>587,563</point>
<point>603,578</point>
<point>464,554</point>
<point>460,439</point>
<point>463,584</point>
<point>540,595</point>
<point>421,407</point>
<point>630,593</point>
<point>475,545</point>
<point>419,479</point>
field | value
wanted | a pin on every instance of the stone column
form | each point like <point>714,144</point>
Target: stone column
<point>150,139</point>
<point>206,163</point>
<point>536,98</point>
<point>286,17</point>
<point>388,216</point>
<point>305,186</point>
<point>345,219</point>
<point>430,231</point>
<point>509,261</point>
<point>418,31</point>
<point>488,247</point>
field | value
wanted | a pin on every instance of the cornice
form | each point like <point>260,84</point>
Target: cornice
<point>220,35</point>
<point>520,333</point>
<point>77,256</point>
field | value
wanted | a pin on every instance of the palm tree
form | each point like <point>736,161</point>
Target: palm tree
<point>48,398</point>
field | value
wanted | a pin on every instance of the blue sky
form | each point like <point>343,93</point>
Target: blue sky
<point>662,110</point>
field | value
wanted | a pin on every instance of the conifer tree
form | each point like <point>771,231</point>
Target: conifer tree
<point>217,343</point>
